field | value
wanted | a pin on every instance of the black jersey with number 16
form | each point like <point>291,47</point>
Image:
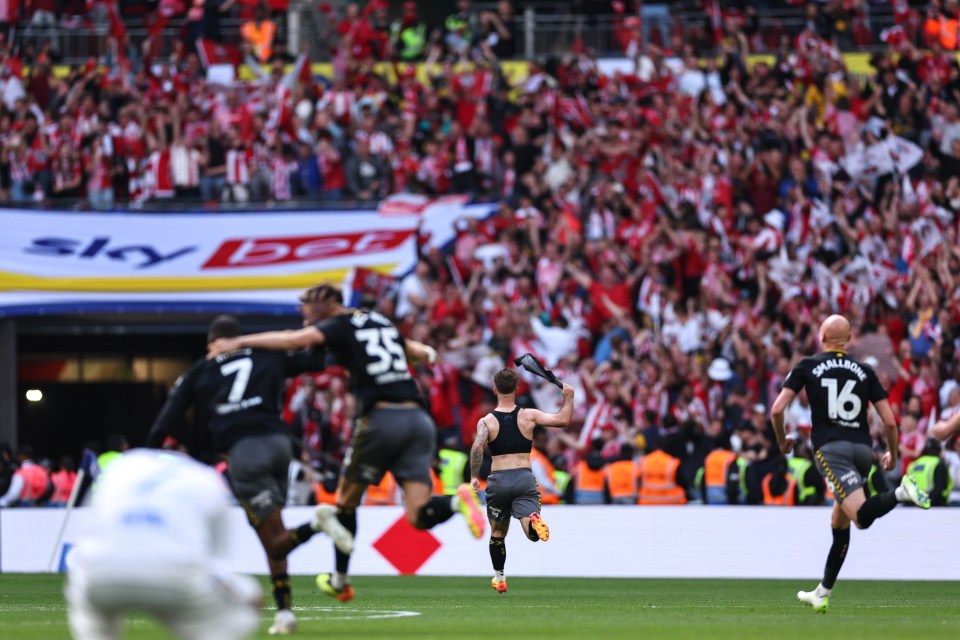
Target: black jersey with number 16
<point>372,349</point>
<point>839,389</point>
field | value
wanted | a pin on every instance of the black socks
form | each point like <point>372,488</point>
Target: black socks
<point>437,510</point>
<point>838,552</point>
<point>300,535</point>
<point>348,518</point>
<point>498,553</point>
<point>281,590</point>
<point>876,507</point>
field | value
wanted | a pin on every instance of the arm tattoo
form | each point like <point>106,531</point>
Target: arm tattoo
<point>476,451</point>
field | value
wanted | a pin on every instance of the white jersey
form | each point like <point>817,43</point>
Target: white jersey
<point>155,508</point>
<point>154,541</point>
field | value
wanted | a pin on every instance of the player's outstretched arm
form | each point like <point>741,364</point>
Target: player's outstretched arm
<point>560,419</point>
<point>476,452</point>
<point>889,459</point>
<point>776,417</point>
<point>289,340</point>
<point>418,353</point>
<point>946,428</point>
<point>179,400</point>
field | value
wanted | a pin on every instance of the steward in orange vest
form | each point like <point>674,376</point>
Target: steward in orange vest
<point>326,488</point>
<point>63,481</point>
<point>659,480</point>
<point>622,477</point>
<point>260,33</point>
<point>723,478</point>
<point>779,488</point>
<point>436,483</point>
<point>383,494</point>
<point>589,477</point>
<point>942,28</point>
<point>548,493</point>
<point>30,483</point>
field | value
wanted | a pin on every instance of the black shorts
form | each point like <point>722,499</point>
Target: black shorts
<point>400,440</point>
<point>844,465</point>
<point>259,467</point>
<point>512,492</point>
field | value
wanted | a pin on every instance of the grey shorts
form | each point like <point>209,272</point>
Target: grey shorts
<point>400,440</point>
<point>844,465</point>
<point>259,468</point>
<point>512,492</point>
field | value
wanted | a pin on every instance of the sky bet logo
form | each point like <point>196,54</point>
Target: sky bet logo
<point>232,253</point>
<point>141,256</point>
<point>259,252</point>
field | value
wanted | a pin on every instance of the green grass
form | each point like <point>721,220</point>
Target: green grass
<point>32,607</point>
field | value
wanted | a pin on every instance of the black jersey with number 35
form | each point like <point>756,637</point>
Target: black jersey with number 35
<point>372,349</point>
<point>839,389</point>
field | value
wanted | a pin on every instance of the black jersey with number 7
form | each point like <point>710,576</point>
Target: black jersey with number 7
<point>239,393</point>
<point>839,389</point>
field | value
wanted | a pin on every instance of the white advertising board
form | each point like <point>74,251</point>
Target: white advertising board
<point>604,541</point>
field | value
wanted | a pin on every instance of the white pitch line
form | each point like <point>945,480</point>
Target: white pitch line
<point>352,614</point>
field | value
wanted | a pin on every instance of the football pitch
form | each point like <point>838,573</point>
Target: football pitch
<point>32,607</point>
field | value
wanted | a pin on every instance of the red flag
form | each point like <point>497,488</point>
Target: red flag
<point>367,282</point>
<point>894,36</point>
<point>716,19</point>
<point>212,53</point>
<point>576,111</point>
<point>300,73</point>
<point>117,29</point>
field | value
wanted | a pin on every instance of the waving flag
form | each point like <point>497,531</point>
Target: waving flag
<point>88,464</point>
<point>213,53</point>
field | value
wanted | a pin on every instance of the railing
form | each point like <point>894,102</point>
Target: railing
<point>543,29</point>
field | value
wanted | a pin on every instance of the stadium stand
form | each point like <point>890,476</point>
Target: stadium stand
<point>671,228</point>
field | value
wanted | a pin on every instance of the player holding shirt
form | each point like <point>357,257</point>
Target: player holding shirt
<point>511,487</point>
<point>840,390</point>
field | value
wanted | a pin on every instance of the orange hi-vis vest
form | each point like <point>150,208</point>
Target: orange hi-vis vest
<point>588,484</point>
<point>261,37</point>
<point>545,497</point>
<point>436,483</point>
<point>324,496</point>
<point>658,483</point>
<point>828,496</point>
<point>716,469</point>
<point>382,494</point>
<point>34,482</point>
<point>785,500</point>
<point>63,482</point>
<point>622,477</point>
<point>942,29</point>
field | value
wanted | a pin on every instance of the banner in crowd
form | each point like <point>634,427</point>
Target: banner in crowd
<point>58,261</point>
<point>65,262</point>
<point>439,218</point>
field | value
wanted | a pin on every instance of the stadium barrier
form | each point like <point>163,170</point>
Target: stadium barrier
<point>585,541</point>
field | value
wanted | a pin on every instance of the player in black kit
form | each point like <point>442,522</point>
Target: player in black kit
<point>511,487</point>
<point>393,431</point>
<point>240,392</point>
<point>839,389</point>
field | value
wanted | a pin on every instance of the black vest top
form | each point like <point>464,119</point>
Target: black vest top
<point>509,439</point>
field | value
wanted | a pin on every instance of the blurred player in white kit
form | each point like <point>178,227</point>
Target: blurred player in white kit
<point>154,542</point>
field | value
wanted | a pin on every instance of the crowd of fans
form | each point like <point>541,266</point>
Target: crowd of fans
<point>668,237</point>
